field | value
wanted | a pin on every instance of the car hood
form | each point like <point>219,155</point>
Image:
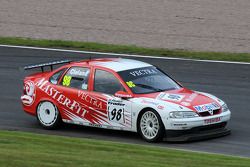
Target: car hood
<point>196,101</point>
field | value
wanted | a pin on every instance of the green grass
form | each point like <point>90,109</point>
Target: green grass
<point>21,149</point>
<point>90,46</point>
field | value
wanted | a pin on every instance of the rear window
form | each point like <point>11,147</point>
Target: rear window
<point>55,77</point>
<point>76,77</point>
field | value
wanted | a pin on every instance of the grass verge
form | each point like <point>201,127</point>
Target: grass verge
<point>21,149</point>
<point>90,46</point>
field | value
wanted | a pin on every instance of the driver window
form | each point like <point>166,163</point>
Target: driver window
<point>106,82</point>
<point>76,77</point>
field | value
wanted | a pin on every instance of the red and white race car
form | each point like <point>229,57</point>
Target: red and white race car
<point>122,94</point>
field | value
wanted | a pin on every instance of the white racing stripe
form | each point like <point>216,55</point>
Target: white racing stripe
<point>124,55</point>
<point>91,108</point>
<point>74,117</point>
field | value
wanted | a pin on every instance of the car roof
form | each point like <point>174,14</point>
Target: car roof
<point>115,64</point>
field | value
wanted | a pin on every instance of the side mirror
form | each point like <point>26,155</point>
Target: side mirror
<point>123,95</point>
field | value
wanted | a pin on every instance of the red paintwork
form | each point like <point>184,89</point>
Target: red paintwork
<point>198,100</point>
<point>91,97</point>
<point>89,100</point>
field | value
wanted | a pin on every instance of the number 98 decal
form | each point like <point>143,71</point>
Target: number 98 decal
<point>116,111</point>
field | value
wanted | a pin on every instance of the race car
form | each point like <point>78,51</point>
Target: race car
<point>122,94</point>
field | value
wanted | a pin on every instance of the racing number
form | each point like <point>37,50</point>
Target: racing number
<point>116,114</point>
<point>130,84</point>
<point>116,111</point>
<point>66,80</point>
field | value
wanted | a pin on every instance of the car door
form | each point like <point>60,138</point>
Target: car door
<point>113,112</point>
<point>72,84</point>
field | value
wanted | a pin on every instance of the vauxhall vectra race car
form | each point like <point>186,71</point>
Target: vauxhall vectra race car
<point>122,94</point>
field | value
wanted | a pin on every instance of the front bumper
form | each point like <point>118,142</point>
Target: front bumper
<point>199,128</point>
<point>198,133</point>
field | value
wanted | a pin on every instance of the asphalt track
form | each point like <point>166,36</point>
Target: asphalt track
<point>231,82</point>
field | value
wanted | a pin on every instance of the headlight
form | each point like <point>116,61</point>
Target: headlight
<point>224,108</point>
<point>183,114</point>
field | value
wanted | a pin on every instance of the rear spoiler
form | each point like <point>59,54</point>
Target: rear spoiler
<point>50,64</point>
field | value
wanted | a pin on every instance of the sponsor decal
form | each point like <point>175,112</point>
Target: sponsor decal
<point>179,124</point>
<point>30,96</point>
<point>95,125</point>
<point>91,110</point>
<point>66,80</point>
<point>143,72</point>
<point>84,86</point>
<point>207,107</point>
<point>79,72</point>
<point>171,97</point>
<point>91,100</point>
<point>212,120</point>
<point>130,84</point>
<point>116,111</point>
<point>70,104</point>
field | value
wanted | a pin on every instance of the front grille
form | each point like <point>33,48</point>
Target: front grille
<point>206,113</point>
<point>212,127</point>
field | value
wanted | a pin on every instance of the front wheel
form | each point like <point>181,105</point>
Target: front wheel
<point>48,115</point>
<point>150,126</point>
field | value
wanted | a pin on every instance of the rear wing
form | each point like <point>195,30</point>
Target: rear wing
<point>49,64</point>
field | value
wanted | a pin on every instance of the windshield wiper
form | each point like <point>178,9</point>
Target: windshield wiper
<point>149,87</point>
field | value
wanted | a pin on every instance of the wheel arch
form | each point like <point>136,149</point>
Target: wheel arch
<point>144,110</point>
<point>57,120</point>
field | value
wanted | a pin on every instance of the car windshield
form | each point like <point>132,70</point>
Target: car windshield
<point>147,80</point>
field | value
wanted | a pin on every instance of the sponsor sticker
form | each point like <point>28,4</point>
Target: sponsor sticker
<point>171,97</point>
<point>69,104</point>
<point>207,107</point>
<point>30,96</point>
<point>96,102</point>
<point>143,72</point>
<point>130,84</point>
<point>95,125</point>
<point>212,120</point>
<point>79,72</point>
<point>66,80</point>
<point>116,111</point>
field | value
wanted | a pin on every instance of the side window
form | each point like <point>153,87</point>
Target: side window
<point>106,82</point>
<point>76,77</point>
<point>55,77</point>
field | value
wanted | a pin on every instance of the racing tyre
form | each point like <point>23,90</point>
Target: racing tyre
<point>150,126</point>
<point>48,115</point>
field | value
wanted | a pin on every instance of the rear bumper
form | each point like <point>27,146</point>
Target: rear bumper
<point>197,133</point>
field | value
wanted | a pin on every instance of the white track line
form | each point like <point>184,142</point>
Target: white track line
<point>124,55</point>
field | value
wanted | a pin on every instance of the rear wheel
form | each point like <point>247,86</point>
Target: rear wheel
<point>150,126</point>
<point>48,115</point>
